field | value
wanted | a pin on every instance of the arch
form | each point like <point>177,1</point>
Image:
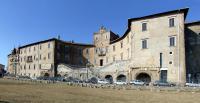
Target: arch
<point>46,74</point>
<point>121,77</point>
<point>109,78</point>
<point>145,77</point>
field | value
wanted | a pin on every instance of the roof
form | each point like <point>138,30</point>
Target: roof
<point>184,10</point>
<point>55,39</point>
<point>77,44</point>
<point>192,23</point>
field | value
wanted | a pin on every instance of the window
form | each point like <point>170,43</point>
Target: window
<point>87,51</point>
<point>171,41</point>
<point>24,67</point>
<point>170,52</point>
<point>40,56</point>
<point>171,22</point>
<point>144,26</point>
<point>121,44</point>
<point>144,44</point>
<point>40,66</point>
<point>29,67</point>
<point>34,48</point>
<point>40,47</point>
<point>96,50</point>
<point>170,62</point>
<point>113,47</point>
<point>34,66</point>
<point>49,45</point>
<point>29,49</point>
<point>49,55</point>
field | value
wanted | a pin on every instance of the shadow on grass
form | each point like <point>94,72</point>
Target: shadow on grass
<point>4,101</point>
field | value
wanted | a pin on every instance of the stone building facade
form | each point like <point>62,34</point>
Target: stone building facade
<point>42,58</point>
<point>154,47</point>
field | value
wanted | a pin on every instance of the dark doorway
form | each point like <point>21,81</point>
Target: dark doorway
<point>109,78</point>
<point>101,62</point>
<point>46,75</point>
<point>121,78</point>
<point>144,77</point>
<point>163,75</point>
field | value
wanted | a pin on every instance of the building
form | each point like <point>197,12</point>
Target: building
<point>2,71</point>
<point>154,47</point>
<point>42,58</point>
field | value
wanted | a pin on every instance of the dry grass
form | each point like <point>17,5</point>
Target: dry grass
<point>13,92</point>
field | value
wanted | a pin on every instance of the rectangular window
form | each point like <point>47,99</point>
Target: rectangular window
<point>171,41</point>
<point>40,57</point>
<point>34,66</point>
<point>144,44</point>
<point>29,49</point>
<point>121,44</point>
<point>113,47</point>
<point>144,26</point>
<point>87,51</point>
<point>49,45</point>
<point>49,55</point>
<point>171,22</point>
<point>34,48</point>
<point>40,66</point>
<point>40,47</point>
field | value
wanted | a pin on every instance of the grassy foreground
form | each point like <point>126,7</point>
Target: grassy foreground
<point>14,92</point>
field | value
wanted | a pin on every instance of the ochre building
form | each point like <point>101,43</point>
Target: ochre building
<point>161,46</point>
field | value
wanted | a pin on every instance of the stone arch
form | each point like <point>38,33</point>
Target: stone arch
<point>109,78</point>
<point>143,76</point>
<point>46,74</point>
<point>121,77</point>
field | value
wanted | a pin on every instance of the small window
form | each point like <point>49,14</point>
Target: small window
<point>40,66</point>
<point>170,52</point>
<point>29,49</point>
<point>171,41</point>
<point>170,62</point>
<point>113,47</point>
<point>144,26</point>
<point>49,55</point>
<point>121,44</point>
<point>144,44</point>
<point>49,45</point>
<point>29,67</point>
<point>87,51</point>
<point>34,48</point>
<point>40,47</point>
<point>171,22</point>
<point>34,66</point>
<point>40,57</point>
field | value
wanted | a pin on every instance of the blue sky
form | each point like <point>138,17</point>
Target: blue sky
<point>27,21</point>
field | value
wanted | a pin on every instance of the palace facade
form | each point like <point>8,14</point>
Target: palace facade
<point>161,46</point>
